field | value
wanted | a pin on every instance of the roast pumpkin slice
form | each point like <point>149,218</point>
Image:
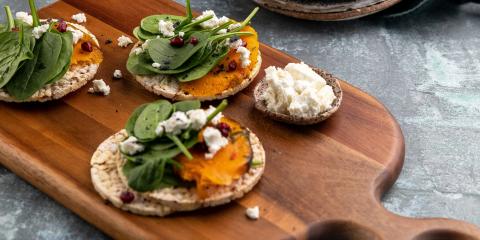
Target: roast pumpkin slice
<point>228,165</point>
<point>80,56</point>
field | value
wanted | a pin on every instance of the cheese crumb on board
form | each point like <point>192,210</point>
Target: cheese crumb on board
<point>124,41</point>
<point>253,213</point>
<point>80,18</point>
<point>117,74</point>
<point>99,86</point>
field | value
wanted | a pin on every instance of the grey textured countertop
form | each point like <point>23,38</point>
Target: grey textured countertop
<point>424,67</point>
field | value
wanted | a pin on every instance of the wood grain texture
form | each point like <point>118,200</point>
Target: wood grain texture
<point>322,181</point>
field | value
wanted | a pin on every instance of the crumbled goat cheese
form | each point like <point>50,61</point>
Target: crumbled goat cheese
<point>222,31</point>
<point>174,125</point>
<point>166,28</point>
<point>217,118</point>
<point>37,32</point>
<point>234,26</point>
<point>124,41</point>
<point>156,65</point>
<point>99,86</point>
<point>77,34</point>
<point>138,51</point>
<point>244,56</point>
<point>253,213</point>
<point>181,34</point>
<point>213,22</point>
<point>25,17</point>
<point>236,44</point>
<point>131,146</point>
<point>117,74</point>
<point>297,90</point>
<point>214,140</point>
<point>80,18</point>
<point>198,118</point>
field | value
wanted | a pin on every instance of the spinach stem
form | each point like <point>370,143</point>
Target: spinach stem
<point>219,109</point>
<point>188,18</point>
<point>33,9</point>
<point>247,20</point>
<point>11,22</point>
<point>227,35</point>
<point>180,145</point>
<point>195,23</point>
<point>225,25</point>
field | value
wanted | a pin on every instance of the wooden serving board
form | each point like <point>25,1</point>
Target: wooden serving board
<point>322,181</point>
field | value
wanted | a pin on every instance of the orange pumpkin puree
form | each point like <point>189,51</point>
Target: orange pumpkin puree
<point>228,164</point>
<point>215,82</point>
<point>79,56</point>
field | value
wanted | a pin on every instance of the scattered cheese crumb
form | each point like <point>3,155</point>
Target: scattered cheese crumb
<point>99,86</point>
<point>244,56</point>
<point>25,17</point>
<point>217,118</point>
<point>131,146</point>
<point>166,28</point>
<point>80,18</point>
<point>38,32</point>
<point>138,51</point>
<point>198,118</point>
<point>124,41</point>
<point>77,34</point>
<point>253,213</point>
<point>181,34</point>
<point>117,74</point>
<point>156,65</point>
<point>174,125</point>
<point>222,31</point>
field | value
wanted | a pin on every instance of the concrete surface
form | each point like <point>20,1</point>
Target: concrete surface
<point>424,67</point>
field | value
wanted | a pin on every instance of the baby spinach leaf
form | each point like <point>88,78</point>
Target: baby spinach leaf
<point>162,52</point>
<point>63,62</point>
<point>145,177</point>
<point>133,118</point>
<point>160,146</point>
<point>39,72</point>
<point>148,120</point>
<point>15,49</point>
<point>185,106</point>
<point>143,35</point>
<point>150,23</point>
<point>140,64</point>
<point>204,68</point>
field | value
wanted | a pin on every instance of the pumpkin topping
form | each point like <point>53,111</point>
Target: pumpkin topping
<point>80,55</point>
<point>228,164</point>
<point>225,76</point>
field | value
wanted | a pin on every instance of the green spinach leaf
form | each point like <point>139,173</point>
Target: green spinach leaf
<point>204,68</point>
<point>150,23</point>
<point>185,106</point>
<point>133,119</point>
<point>148,120</point>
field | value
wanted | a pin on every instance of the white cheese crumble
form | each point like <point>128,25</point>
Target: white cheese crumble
<point>233,26</point>
<point>131,146</point>
<point>253,213</point>
<point>138,51</point>
<point>99,86</point>
<point>244,56</point>
<point>214,140</point>
<point>25,17</point>
<point>198,118</point>
<point>117,74</point>
<point>236,44</point>
<point>222,31</point>
<point>166,28</point>
<point>38,32</point>
<point>77,34</point>
<point>213,22</point>
<point>181,34</point>
<point>80,18</point>
<point>297,90</point>
<point>156,65</point>
<point>124,41</point>
<point>174,125</point>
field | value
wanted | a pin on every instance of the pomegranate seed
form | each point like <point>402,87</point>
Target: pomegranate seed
<point>224,129</point>
<point>232,66</point>
<point>87,47</point>
<point>127,197</point>
<point>62,27</point>
<point>177,42</point>
<point>194,41</point>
